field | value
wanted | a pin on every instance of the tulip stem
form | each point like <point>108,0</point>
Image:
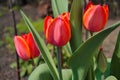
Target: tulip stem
<point>91,33</point>
<point>86,34</point>
<point>15,33</point>
<point>59,62</point>
<point>102,77</point>
<point>33,64</point>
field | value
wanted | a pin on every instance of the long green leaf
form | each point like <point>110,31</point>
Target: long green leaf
<point>76,24</point>
<point>90,73</point>
<point>81,58</point>
<point>68,48</point>
<point>59,6</point>
<point>115,63</point>
<point>42,47</point>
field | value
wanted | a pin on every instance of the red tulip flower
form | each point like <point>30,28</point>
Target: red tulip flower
<point>26,47</point>
<point>57,31</point>
<point>95,17</point>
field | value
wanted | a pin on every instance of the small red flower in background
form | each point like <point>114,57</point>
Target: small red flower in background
<point>26,47</point>
<point>57,31</point>
<point>95,17</point>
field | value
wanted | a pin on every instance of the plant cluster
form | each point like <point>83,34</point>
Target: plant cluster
<point>86,57</point>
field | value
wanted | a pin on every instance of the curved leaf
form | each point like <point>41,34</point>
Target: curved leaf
<point>81,58</point>
<point>41,73</point>
<point>76,24</point>
<point>115,63</point>
<point>59,6</point>
<point>67,74</point>
<point>42,47</point>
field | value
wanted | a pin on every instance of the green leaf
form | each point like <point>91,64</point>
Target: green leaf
<point>81,58</point>
<point>1,43</point>
<point>42,73</point>
<point>111,78</point>
<point>59,6</point>
<point>29,68</point>
<point>68,48</point>
<point>23,71</point>
<point>67,74</point>
<point>115,63</point>
<point>42,47</point>
<point>38,25</point>
<point>13,65</point>
<point>76,24</point>
<point>36,61</point>
<point>90,73</point>
<point>101,61</point>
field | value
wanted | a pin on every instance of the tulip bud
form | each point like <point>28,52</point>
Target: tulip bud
<point>57,31</point>
<point>26,47</point>
<point>95,17</point>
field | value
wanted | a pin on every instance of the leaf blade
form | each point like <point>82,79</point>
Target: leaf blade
<point>76,24</point>
<point>42,47</point>
<point>115,63</point>
<point>84,54</point>
<point>59,6</point>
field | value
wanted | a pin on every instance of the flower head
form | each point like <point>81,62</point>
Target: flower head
<point>26,47</point>
<point>95,17</point>
<point>57,31</point>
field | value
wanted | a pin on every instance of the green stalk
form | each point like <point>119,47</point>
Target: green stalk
<point>59,62</point>
<point>33,64</point>
<point>90,73</point>
<point>102,77</point>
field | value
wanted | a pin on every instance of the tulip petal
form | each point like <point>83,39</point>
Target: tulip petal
<point>88,6</point>
<point>22,48</point>
<point>47,23</point>
<point>65,16</point>
<point>34,52</point>
<point>94,18</point>
<point>58,32</point>
<point>105,7</point>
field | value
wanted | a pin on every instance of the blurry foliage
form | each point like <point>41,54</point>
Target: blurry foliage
<point>26,66</point>
<point>21,26</point>
<point>9,39</point>
<point>3,11</point>
<point>1,43</point>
